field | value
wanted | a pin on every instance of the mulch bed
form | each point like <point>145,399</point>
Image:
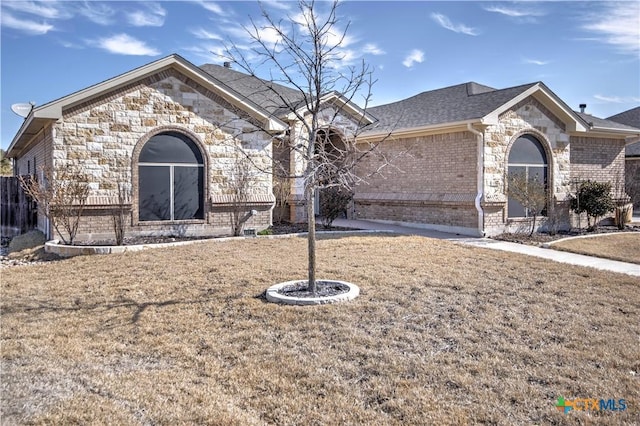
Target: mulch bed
<point>540,238</point>
<point>324,289</point>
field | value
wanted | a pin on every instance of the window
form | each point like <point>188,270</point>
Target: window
<point>527,157</point>
<point>170,179</point>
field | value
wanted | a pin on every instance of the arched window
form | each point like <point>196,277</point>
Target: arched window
<point>171,179</point>
<point>527,157</point>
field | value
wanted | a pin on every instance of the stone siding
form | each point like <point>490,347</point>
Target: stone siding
<point>105,136</point>
<point>527,117</point>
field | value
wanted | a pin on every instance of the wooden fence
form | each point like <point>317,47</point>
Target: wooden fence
<point>18,212</point>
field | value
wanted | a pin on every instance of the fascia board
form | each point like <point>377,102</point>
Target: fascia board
<point>418,131</point>
<point>53,110</point>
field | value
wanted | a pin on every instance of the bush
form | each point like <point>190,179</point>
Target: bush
<point>334,202</point>
<point>594,199</point>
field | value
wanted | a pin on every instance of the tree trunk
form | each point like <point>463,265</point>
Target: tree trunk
<point>311,237</point>
<point>533,226</point>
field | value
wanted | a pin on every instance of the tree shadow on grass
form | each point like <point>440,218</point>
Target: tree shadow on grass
<point>136,308</point>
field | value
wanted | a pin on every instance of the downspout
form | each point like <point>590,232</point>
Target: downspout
<point>480,177</point>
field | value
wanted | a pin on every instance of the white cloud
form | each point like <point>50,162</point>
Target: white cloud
<point>618,24</point>
<point>205,35</point>
<point>46,10</point>
<point>212,7</point>
<point>617,99</point>
<point>98,13</point>
<point>282,5</point>
<point>153,17</point>
<point>373,49</point>
<point>535,62</point>
<point>415,56</point>
<point>445,22</point>
<point>25,25</point>
<point>124,44</point>
<point>514,11</point>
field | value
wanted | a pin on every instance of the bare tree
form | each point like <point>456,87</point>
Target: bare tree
<point>240,186</point>
<point>61,196</point>
<point>623,200</point>
<point>530,193</point>
<point>307,56</point>
<point>119,212</point>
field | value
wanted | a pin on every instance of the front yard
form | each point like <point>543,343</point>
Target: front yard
<point>441,334</point>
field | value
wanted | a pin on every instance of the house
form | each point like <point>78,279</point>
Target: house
<point>174,135</point>
<point>462,141</point>
<point>631,118</point>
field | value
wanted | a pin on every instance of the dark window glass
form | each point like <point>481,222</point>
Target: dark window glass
<point>170,147</point>
<point>187,190</point>
<point>527,150</point>
<point>171,179</point>
<point>155,193</point>
<point>527,157</point>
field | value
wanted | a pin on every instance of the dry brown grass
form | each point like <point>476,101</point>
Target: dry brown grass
<point>441,334</point>
<point>622,247</point>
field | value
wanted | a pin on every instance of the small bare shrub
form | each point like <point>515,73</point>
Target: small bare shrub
<point>531,193</point>
<point>61,197</point>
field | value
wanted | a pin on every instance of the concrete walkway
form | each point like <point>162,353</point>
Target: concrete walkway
<point>555,255</point>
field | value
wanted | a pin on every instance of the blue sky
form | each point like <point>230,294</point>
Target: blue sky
<point>586,52</point>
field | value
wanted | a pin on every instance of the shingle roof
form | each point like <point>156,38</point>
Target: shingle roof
<point>629,117</point>
<point>604,123</point>
<point>462,102</point>
<point>255,89</point>
<point>632,150</point>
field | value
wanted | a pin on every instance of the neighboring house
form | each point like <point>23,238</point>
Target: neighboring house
<point>171,131</point>
<point>632,155</point>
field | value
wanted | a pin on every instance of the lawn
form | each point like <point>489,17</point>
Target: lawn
<point>623,247</point>
<point>441,334</point>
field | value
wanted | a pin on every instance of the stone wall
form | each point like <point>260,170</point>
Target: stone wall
<point>527,117</point>
<point>105,136</point>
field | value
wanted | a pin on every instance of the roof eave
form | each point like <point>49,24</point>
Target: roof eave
<point>342,103</point>
<point>416,131</point>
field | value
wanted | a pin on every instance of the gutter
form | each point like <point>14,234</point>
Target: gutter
<point>480,177</point>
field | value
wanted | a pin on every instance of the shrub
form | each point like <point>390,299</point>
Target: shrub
<point>594,199</point>
<point>334,202</point>
<point>61,197</point>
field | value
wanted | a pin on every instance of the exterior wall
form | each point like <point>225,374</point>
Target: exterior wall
<point>527,117</point>
<point>106,135</point>
<point>598,159</point>
<point>34,161</point>
<point>432,180</point>
<point>632,175</point>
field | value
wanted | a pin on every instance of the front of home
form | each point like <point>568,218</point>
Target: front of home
<point>458,145</point>
<point>173,135</point>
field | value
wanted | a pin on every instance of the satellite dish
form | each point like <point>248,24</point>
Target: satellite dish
<point>23,109</point>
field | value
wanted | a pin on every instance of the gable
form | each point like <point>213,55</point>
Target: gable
<point>172,65</point>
